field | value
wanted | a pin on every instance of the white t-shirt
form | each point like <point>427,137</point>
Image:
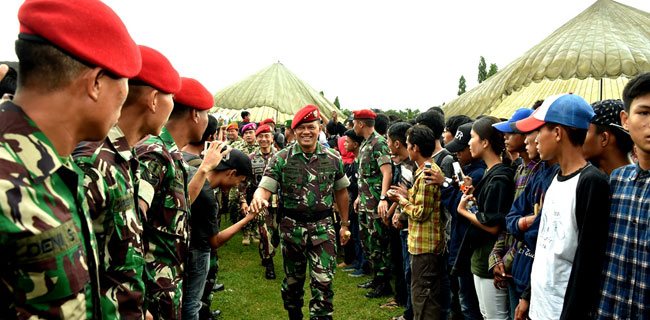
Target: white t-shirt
<point>557,242</point>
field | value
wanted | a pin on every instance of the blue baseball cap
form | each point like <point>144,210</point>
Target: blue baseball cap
<point>520,114</point>
<point>566,109</point>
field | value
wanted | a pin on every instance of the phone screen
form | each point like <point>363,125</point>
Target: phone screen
<point>458,172</point>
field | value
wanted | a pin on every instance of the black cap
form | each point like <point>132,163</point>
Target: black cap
<point>237,160</point>
<point>461,139</point>
<point>608,113</point>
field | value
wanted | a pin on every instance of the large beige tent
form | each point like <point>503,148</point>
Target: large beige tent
<point>273,92</point>
<point>594,55</point>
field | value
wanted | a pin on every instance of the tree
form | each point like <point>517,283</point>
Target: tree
<point>462,85</point>
<point>482,73</point>
<point>493,70</point>
<point>336,102</point>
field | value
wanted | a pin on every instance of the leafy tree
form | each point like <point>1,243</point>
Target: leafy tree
<point>493,70</point>
<point>336,102</point>
<point>482,73</point>
<point>462,85</point>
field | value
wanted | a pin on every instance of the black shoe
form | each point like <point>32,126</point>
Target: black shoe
<point>383,289</point>
<point>367,285</point>
<point>295,314</point>
<point>270,271</point>
<point>216,314</point>
<point>218,287</point>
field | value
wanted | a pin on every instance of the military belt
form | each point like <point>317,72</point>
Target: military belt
<point>302,216</point>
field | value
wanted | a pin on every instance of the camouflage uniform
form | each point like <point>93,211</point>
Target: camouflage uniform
<point>112,178</point>
<point>49,268</point>
<point>166,230</point>
<point>239,140</point>
<point>373,153</point>
<point>306,185</point>
<point>235,198</point>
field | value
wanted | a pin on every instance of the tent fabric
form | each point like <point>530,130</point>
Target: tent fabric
<point>273,92</point>
<point>607,41</point>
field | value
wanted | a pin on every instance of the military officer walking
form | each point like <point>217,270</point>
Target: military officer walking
<point>308,177</point>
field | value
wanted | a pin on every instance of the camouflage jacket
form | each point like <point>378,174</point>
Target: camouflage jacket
<point>112,178</point>
<point>49,268</point>
<point>245,147</point>
<point>164,186</point>
<point>306,183</point>
<point>259,162</point>
<point>373,153</point>
<point>236,141</point>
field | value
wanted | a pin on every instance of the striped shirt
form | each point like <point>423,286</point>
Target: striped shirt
<point>625,284</point>
<point>423,209</point>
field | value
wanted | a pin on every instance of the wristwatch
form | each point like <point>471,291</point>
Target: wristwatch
<point>345,223</point>
<point>382,198</point>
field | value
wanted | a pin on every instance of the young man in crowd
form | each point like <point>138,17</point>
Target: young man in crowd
<point>237,204</point>
<point>574,217</point>
<point>375,176</point>
<point>166,194</point>
<point>624,278</point>
<point>354,258</point>
<point>607,144</point>
<point>426,232</point>
<point>245,118</point>
<point>451,126</point>
<point>289,135</point>
<point>75,59</point>
<point>112,180</point>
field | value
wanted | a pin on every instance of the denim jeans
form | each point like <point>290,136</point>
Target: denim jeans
<point>406,256</point>
<point>196,273</point>
<point>360,261</point>
<point>467,296</point>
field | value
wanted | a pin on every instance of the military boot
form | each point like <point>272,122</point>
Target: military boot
<point>295,314</point>
<point>246,239</point>
<point>382,289</point>
<point>368,285</point>
<point>270,269</point>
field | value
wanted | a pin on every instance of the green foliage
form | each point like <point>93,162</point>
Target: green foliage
<point>493,69</point>
<point>482,71</point>
<point>462,85</point>
<point>405,114</point>
<point>336,102</point>
<point>347,114</point>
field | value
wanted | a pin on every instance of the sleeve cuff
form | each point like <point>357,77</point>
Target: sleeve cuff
<point>341,183</point>
<point>146,192</point>
<point>269,184</point>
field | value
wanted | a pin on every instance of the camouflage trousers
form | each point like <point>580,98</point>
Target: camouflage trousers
<point>313,244</point>
<point>376,243</point>
<point>210,282</point>
<point>234,208</point>
<point>268,229</point>
<point>164,292</point>
<point>120,297</point>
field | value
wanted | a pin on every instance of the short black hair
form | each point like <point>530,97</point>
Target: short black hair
<point>368,122</point>
<point>179,111</point>
<point>397,132</point>
<point>576,136</point>
<point>456,121</point>
<point>210,130</point>
<point>623,140</point>
<point>394,118</point>
<point>437,109</point>
<point>10,81</point>
<point>353,135</point>
<point>45,67</point>
<point>422,136</point>
<point>245,114</point>
<point>537,104</point>
<point>434,120</point>
<point>638,86</point>
<point>381,123</point>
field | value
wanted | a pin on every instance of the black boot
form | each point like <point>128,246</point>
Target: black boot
<point>295,314</point>
<point>381,290</point>
<point>368,285</point>
<point>270,270</point>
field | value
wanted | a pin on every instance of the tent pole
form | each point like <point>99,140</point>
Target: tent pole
<point>601,89</point>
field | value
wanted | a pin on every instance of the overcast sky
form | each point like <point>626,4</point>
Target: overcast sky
<point>380,54</point>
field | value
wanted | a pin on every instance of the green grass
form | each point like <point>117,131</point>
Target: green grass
<point>248,295</point>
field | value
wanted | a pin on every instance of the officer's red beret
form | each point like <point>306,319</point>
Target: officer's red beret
<point>87,29</point>
<point>193,94</point>
<point>262,129</point>
<point>158,72</point>
<point>364,114</point>
<point>269,120</point>
<point>307,114</point>
<point>232,126</point>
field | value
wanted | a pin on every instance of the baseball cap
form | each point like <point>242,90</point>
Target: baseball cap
<point>461,139</point>
<point>608,113</point>
<point>237,160</point>
<point>566,109</point>
<point>519,114</point>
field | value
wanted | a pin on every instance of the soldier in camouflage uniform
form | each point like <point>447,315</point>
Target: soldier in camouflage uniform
<point>308,177</point>
<point>232,132</point>
<point>267,223</point>
<point>112,179</point>
<point>167,196</point>
<point>375,175</point>
<point>49,268</point>
<point>237,204</point>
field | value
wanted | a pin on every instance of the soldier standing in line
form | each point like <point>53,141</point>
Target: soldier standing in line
<point>308,177</point>
<point>375,177</point>
<point>75,58</point>
<point>267,223</point>
<point>112,179</point>
<point>165,196</point>
<point>232,132</point>
<point>237,204</point>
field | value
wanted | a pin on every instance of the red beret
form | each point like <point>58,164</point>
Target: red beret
<point>307,114</point>
<point>364,114</point>
<point>158,72</point>
<point>86,29</point>
<point>269,120</point>
<point>232,126</point>
<point>263,128</point>
<point>193,94</point>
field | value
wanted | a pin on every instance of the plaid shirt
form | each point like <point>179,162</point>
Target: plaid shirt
<point>423,209</point>
<point>625,284</point>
